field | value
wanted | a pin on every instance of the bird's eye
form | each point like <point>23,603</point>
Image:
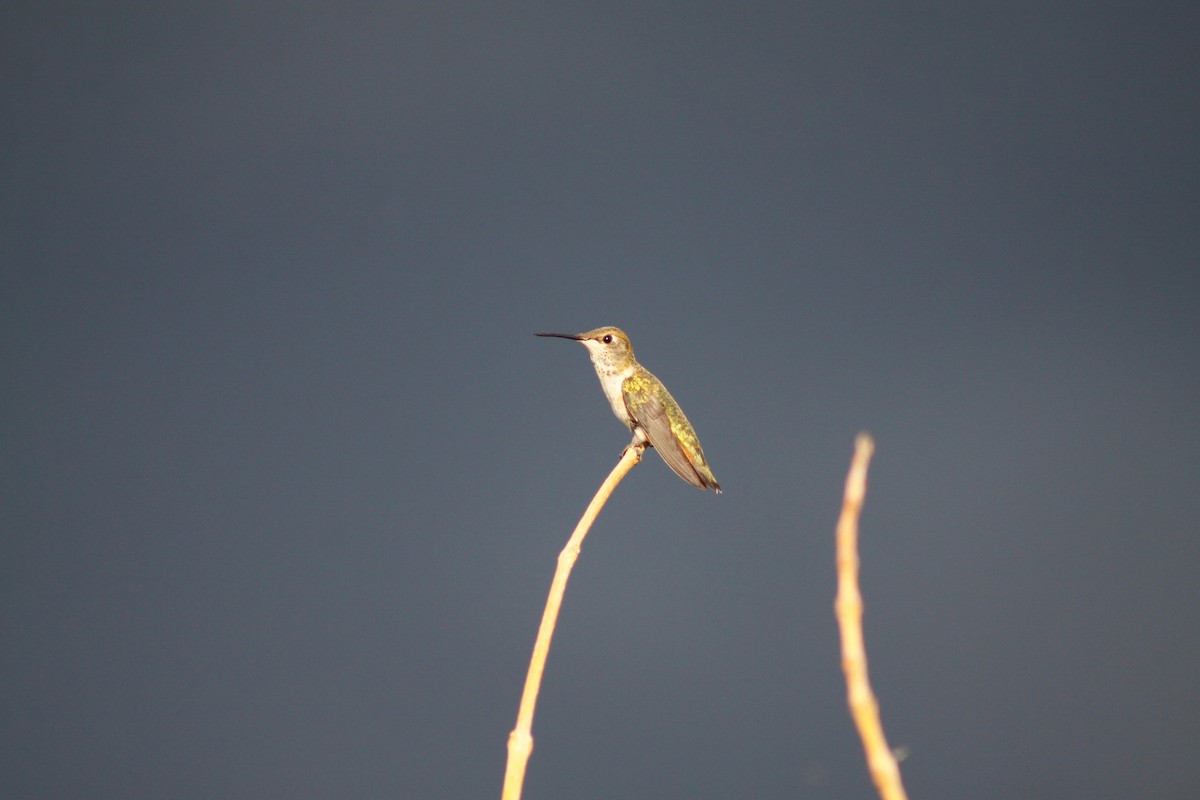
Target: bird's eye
<point>607,338</point>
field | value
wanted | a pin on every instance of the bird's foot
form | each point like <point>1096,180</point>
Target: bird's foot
<point>639,447</point>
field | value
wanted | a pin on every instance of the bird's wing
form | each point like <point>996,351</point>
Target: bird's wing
<point>647,410</point>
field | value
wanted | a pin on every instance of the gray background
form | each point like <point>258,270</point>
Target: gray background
<point>284,474</point>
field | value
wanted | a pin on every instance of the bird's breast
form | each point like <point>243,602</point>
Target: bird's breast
<point>613,382</point>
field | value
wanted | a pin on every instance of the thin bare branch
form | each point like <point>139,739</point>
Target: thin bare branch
<point>864,708</point>
<point>520,740</point>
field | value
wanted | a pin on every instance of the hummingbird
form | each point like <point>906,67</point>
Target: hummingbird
<point>644,405</point>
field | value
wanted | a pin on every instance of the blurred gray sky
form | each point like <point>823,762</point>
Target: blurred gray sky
<point>285,473</point>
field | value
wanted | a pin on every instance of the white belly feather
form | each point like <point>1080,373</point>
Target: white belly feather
<point>611,383</point>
